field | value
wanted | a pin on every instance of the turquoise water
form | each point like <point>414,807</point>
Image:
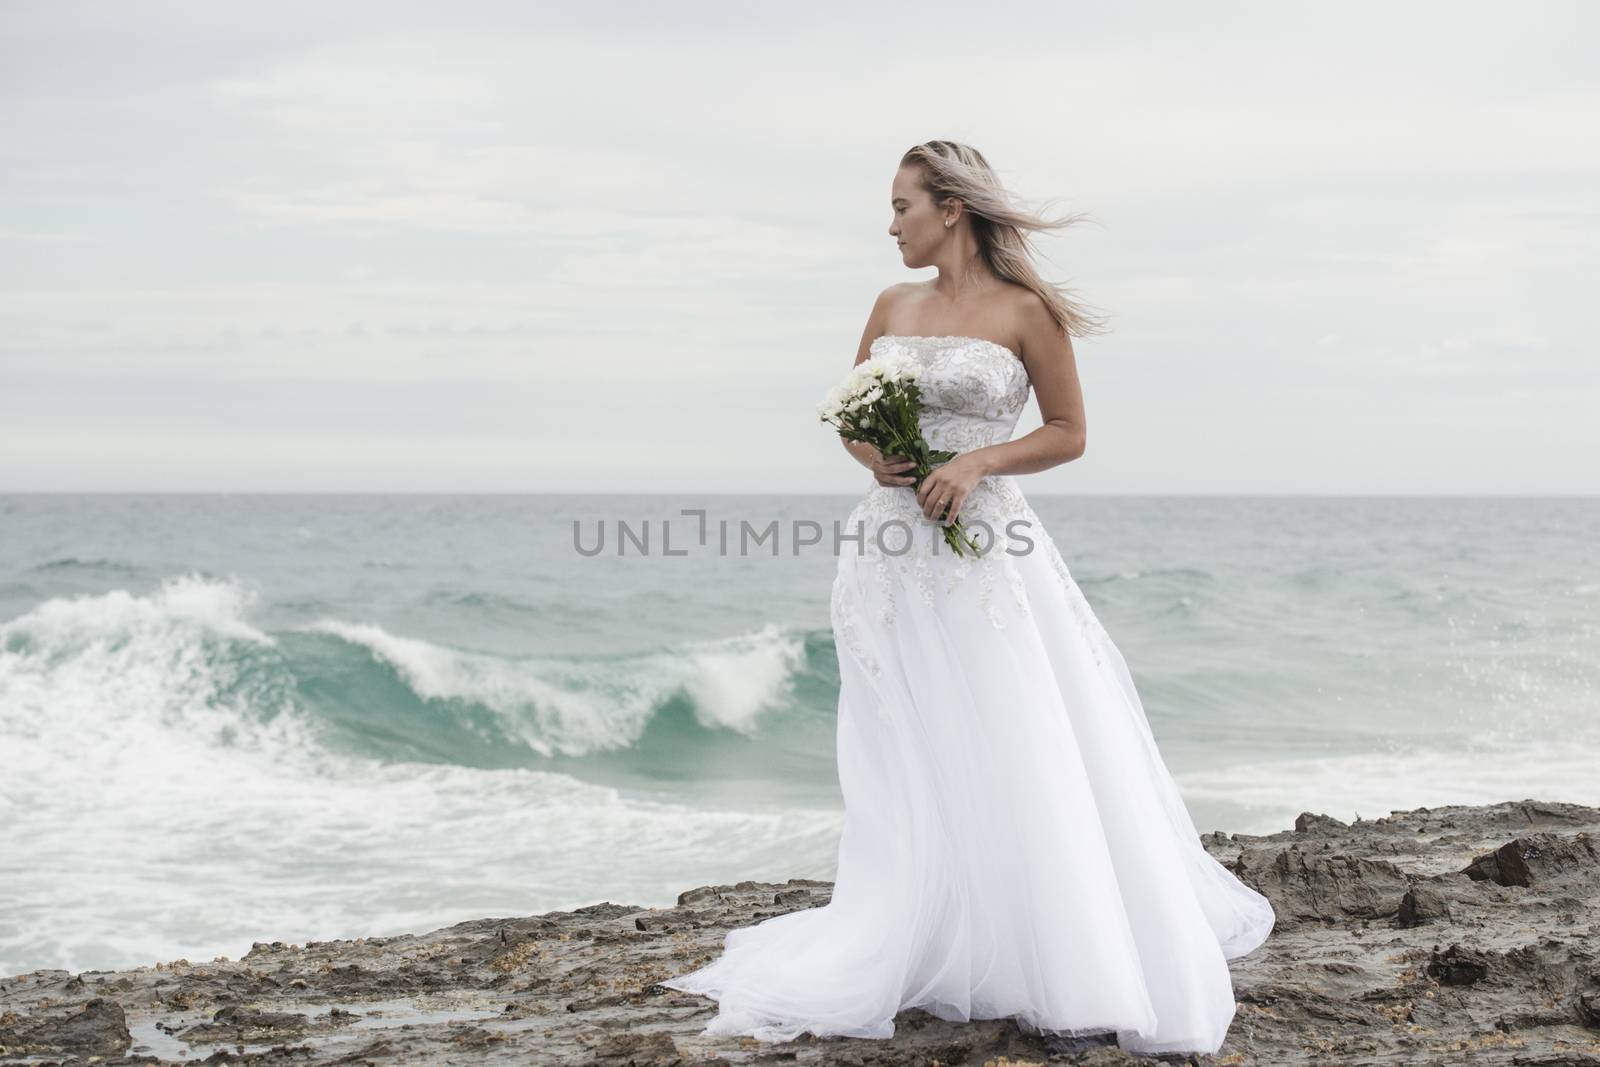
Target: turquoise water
<point>226,718</point>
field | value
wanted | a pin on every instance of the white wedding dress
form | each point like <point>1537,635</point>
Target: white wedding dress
<point>1013,842</point>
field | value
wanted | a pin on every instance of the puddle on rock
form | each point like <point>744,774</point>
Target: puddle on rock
<point>321,1029</point>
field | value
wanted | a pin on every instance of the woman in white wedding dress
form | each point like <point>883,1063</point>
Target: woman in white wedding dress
<point>1013,845</point>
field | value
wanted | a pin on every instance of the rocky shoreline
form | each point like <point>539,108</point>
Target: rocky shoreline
<point>1436,936</point>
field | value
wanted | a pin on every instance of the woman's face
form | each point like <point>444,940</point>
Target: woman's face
<point>918,225</point>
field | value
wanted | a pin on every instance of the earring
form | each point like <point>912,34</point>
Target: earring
<point>947,224</point>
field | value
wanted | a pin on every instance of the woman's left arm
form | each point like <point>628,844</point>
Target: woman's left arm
<point>1052,368</point>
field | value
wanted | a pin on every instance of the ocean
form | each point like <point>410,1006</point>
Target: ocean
<point>237,717</point>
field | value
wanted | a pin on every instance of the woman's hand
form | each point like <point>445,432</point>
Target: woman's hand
<point>887,469</point>
<point>949,485</point>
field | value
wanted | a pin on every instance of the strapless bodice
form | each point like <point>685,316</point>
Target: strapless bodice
<point>973,390</point>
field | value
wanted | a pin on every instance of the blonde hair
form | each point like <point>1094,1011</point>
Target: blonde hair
<point>950,169</point>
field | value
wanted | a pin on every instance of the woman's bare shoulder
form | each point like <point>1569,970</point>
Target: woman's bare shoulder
<point>893,297</point>
<point>1022,300</point>
<point>897,291</point>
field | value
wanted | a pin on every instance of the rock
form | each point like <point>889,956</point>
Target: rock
<point>1307,886</point>
<point>1306,823</point>
<point>629,1049</point>
<point>230,1023</point>
<point>1443,935</point>
<point>98,1027</point>
<point>1543,857</point>
<point>1438,899</point>
<point>1458,966</point>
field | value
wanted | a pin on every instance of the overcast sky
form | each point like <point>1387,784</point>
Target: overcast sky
<point>1345,248</point>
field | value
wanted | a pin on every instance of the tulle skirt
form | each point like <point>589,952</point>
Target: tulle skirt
<point>1013,843</point>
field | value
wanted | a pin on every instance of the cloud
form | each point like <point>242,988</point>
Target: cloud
<point>1300,216</point>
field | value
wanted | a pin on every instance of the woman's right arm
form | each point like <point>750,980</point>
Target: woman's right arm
<point>887,469</point>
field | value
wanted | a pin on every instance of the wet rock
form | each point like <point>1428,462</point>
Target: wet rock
<point>1440,899</point>
<point>240,1023</point>
<point>1307,822</point>
<point>1458,966</point>
<point>1319,886</point>
<point>1544,857</point>
<point>97,1027</point>
<point>637,1050</point>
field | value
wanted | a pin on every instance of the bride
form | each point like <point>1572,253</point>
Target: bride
<point>1013,843</point>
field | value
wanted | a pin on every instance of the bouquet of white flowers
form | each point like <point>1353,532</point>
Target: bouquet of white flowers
<point>879,403</point>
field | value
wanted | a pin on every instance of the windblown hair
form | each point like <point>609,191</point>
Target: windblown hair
<point>950,169</point>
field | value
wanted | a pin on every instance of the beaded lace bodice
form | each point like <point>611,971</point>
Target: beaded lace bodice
<point>973,393</point>
<point>973,390</point>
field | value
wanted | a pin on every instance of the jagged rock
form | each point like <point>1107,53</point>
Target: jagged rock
<point>98,1027</point>
<point>636,1050</point>
<point>226,1023</point>
<point>1458,966</point>
<point>1326,887</point>
<point>1542,857</point>
<point>1442,898</point>
<point>1307,822</point>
